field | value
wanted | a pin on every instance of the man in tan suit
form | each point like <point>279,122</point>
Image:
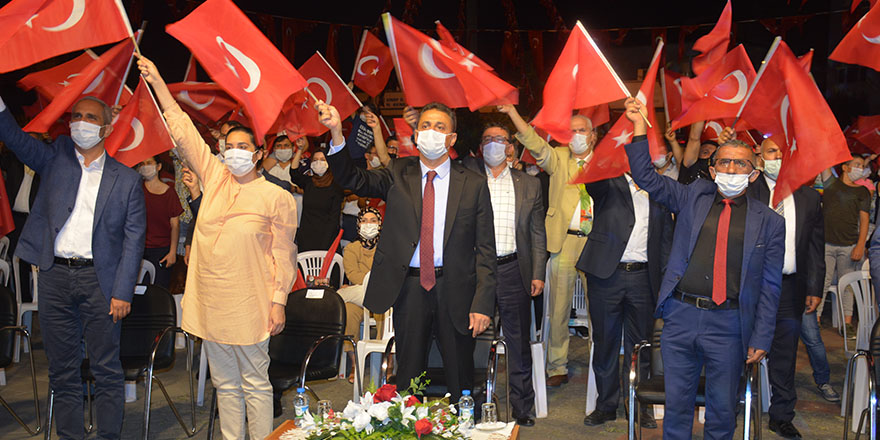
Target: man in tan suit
<point>568,222</point>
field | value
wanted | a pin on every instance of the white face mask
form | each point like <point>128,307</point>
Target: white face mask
<point>368,231</point>
<point>375,162</point>
<point>239,162</point>
<point>494,153</point>
<point>85,134</point>
<point>855,173</point>
<point>284,154</point>
<point>578,143</point>
<point>319,167</point>
<point>661,161</point>
<point>432,144</point>
<point>731,185</point>
<point>772,167</point>
<point>221,145</point>
<point>148,171</point>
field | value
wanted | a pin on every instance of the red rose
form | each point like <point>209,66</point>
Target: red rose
<point>412,400</point>
<point>423,426</point>
<point>385,393</point>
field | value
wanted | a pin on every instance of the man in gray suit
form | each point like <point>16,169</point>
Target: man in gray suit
<point>86,233</point>
<point>520,243</point>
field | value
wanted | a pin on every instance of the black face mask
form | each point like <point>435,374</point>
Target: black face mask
<point>393,156</point>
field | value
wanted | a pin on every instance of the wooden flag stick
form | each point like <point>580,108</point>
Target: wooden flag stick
<point>136,39</point>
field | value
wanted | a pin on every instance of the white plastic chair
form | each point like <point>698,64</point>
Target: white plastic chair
<point>24,307</point>
<point>539,380</point>
<point>4,272</point>
<point>579,304</point>
<point>4,248</point>
<point>375,347</point>
<point>863,294</point>
<point>147,268</point>
<point>311,261</point>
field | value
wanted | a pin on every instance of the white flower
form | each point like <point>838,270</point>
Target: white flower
<point>308,422</point>
<point>452,409</point>
<point>422,412</point>
<point>352,410</point>
<point>367,401</point>
<point>361,421</point>
<point>380,411</point>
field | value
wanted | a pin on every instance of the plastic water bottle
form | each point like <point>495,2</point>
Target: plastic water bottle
<point>300,405</point>
<point>466,411</point>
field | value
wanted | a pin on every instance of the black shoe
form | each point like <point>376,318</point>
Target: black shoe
<point>599,417</point>
<point>525,421</point>
<point>646,418</point>
<point>784,429</point>
<point>276,408</point>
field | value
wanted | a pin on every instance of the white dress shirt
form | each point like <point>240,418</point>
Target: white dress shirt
<point>637,246</point>
<point>789,264</point>
<point>23,198</point>
<point>75,237</point>
<point>441,194</point>
<point>281,173</point>
<point>504,209</point>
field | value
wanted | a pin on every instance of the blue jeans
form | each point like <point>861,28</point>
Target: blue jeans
<point>812,338</point>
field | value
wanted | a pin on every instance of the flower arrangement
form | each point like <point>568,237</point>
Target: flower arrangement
<point>387,414</point>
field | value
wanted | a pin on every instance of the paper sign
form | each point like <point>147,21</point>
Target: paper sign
<point>140,290</point>
<point>315,294</point>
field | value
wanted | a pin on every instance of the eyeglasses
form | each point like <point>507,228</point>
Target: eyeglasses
<point>741,164</point>
<point>500,139</point>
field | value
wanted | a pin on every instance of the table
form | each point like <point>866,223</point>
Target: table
<point>290,424</point>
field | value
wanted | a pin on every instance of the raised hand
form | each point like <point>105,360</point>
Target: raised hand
<point>148,70</point>
<point>370,119</point>
<point>633,109</point>
<point>411,116</point>
<point>670,134</point>
<point>507,109</point>
<point>328,115</point>
<point>726,135</point>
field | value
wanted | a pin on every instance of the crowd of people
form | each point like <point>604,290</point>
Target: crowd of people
<point>455,246</point>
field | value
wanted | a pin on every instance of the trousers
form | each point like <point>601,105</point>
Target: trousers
<point>562,279</point>
<point>240,374</point>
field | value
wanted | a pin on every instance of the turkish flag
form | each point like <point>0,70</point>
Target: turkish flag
<point>598,115</point>
<point>299,115</point>
<point>430,72</point>
<point>239,58</point>
<point>581,78</point>
<point>34,30</point>
<point>670,85</point>
<point>786,106</point>
<point>110,67</point>
<point>447,40</point>
<point>373,65</point>
<point>713,45</point>
<point>191,74</point>
<point>7,225</point>
<point>207,103</point>
<point>861,45</point>
<point>609,159</point>
<point>867,131</point>
<point>855,4</point>
<point>404,135</point>
<point>50,82</point>
<point>718,92</point>
<point>806,60</point>
<point>139,132</point>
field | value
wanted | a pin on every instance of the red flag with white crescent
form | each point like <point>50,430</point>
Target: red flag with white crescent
<point>139,132</point>
<point>373,65</point>
<point>52,81</point>
<point>861,45</point>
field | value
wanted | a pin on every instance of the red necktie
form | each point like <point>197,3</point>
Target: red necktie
<point>719,274</point>
<point>426,237</point>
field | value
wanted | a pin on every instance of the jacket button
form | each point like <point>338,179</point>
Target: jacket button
<point>677,278</point>
<point>69,209</point>
<point>56,229</point>
<point>415,243</point>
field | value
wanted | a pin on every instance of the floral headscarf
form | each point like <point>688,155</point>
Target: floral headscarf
<point>371,243</point>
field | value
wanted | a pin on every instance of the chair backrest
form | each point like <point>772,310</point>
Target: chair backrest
<point>874,348</point>
<point>151,313</point>
<point>863,293</point>
<point>310,263</point>
<point>4,272</point>
<point>656,358</point>
<point>579,298</point>
<point>16,269</point>
<point>311,313</point>
<point>4,247</point>
<point>8,317</point>
<point>147,268</point>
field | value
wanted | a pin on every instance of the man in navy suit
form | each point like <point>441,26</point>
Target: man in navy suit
<point>720,292</point>
<point>623,258</point>
<point>86,233</point>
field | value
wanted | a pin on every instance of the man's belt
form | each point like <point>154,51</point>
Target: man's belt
<point>74,262</point>
<point>414,272</point>
<point>632,267</point>
<point>507,259</point>
<point>576,232</point>
<point>704,302</point>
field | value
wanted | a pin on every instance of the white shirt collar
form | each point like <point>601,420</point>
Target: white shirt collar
<point>504,173</point>
<point>770,182</point>
<point>442,170</point>
<point>97,164</point>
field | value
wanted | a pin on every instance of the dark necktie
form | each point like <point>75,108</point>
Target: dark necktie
<point>426,237</point>
<point>719,274</point>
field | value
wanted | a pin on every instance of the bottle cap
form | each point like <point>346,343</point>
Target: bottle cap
<point>466,393</point>
<point>300,390</point>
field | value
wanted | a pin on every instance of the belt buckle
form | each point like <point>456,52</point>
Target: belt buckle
<point>629,267</point>
<point>701,300</point>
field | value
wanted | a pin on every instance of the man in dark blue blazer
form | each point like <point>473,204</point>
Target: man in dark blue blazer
<point>719,308</point>
<point>86,233</point>
<point>623,260</point>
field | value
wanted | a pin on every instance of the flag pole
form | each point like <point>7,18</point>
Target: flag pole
<point>350,92</point>
<point>611,69</point>
<point>136,39</point>
<point>663,91</point>
<point>757,78</point>
<point>358,57</point>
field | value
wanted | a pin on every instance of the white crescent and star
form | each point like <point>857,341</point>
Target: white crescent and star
<point>95,83</point>
<point>783,116</point>
<point>76,14</point>
<point>574,72</point>
<point>622,138</point>
<point>426,61</point>
<point>742,87</point>
<point>138,130</point>
<point>252,69</point>
<point>323,84</point>
<point>184,96</point>
<point>677,84</point>
<point>364,60</point>
<point>714,126</point>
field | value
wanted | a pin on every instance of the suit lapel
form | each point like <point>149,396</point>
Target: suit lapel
<point>108,179</point>
<point>517,195</point>
<point>701,210</point>
<point>413,177</point>
<point>800,214</point>
<point>456,183</point>
<point>754,219</point>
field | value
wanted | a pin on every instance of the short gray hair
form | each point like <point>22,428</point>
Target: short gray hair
<point>106,112</point>
<point>735,143</point>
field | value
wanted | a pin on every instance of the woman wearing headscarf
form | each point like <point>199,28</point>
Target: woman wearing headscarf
<point>322,204</point>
